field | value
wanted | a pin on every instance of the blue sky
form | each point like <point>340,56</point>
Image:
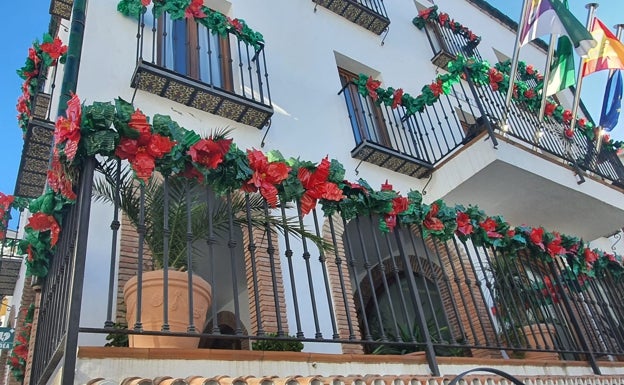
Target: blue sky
<point>29,20</point>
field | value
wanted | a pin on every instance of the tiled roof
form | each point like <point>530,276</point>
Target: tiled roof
<point>483,379</point>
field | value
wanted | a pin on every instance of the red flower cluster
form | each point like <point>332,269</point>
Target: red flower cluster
<point>554,247</point>
<point>236,24</point>
<point>143,152</point>
<point>432,222</point>
<point>44,222</point>
<point>495,77</point>
<point>195,9</point>
<point>371,86</point>
<point>489,225</point>
<point>399,204</point>
<point>464,224</point>
<point>569,133</point>
<point>537,237</point>
<point>5,209</point>
<point>209,152</point>
<point>549,109</point>
<point>56,49</point>
<point>567,116</point>
<point>317,186</point>
<point>530,70</point>
<point>397,98</point>
<point>58,180</point>
<point>266,176</point>
<point>67,130</point>
<point>529,94</point>
<point>436,88</point>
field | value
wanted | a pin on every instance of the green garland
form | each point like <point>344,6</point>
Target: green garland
<point>481,74</point>
<point>215,21</point>
<point>118,129</point>
<point>443,19</point>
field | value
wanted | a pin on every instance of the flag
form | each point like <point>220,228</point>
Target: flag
<point>608,54</point>
<point>562,73</point>
<point>612,101</point>
<point>545,17</point>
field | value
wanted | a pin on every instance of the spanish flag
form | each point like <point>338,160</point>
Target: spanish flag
<point>608,54</point>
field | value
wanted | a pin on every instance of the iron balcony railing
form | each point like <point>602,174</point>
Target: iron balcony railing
<point>446,44</point>
<point>370,14</point>
<point>186,62</point>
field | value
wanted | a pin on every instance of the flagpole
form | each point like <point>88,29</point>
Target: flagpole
<point>514,61</point>
<point>551,53</point>
<point>591,7</point>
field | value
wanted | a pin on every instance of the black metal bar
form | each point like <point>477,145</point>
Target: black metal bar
<point>166,235</point>
<point>306,258</point>
<point>210,242</point>
<point>113,259</point>
<point>291,272</point>
<point>338,261</point>
<point>233,265</point>
<point>254,271</point>
<point>271,252</point>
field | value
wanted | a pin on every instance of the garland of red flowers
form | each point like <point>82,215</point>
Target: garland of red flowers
<point>19,353</point>
<point>443,19</point>
<point>481,74</point>
<point>7,203</point>
<point>215,21</point>
<point>216,160</point>
<point>40,57</point>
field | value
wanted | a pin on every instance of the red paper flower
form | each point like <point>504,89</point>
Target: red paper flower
<point>397,98</point>
<point>67,130</point>
<point>55,49</point>
<point>549,109</point>
<point>45,222</point>
<point>590,256</point>
<point>317,187</point>
<point>195,9</point>
<point>58,180</point>
<point>191,172</point>
<point>432,222</point>
<point>266,176</point>
<point>464,224</point>
<point>425,13</point>
<point>146,2</point>
<point>236,24</point>
<point>569,133</point>
<point>495,77</point>
<point>530,70</point>
<point>529,94</point>
<point>567,116</point>
<point>371,86</point>
<point>143,164</point>
<point>436,88</point>
<point>582,122</point>
<point>537,237</point>
<point>606,138</point>
<point>511,233</point>
<point>32,55</point>
<point>443,18</point>
<point>554,247</point>
<point>386,186</point>
<point>209,153</point>
<point>399,204</point>
<point>489,225</point>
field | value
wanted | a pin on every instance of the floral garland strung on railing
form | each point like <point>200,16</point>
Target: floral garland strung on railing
<point>215,21</point>
<point>8,202</point>
<point>119,130</point>
<point>443,19</point>
<point>481,74</point>
<point>19,354</point>
<point>525,71</point>
<point>40,57</point>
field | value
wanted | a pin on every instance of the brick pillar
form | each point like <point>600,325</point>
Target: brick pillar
<point>33,333</point>
<point>264,279</point>
<point>337,258</point>
<point>128,262</point>
<point>469,311</point>
<point>28,297</point>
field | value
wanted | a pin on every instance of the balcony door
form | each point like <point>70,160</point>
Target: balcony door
<point>192,50</point>
<point>367,119</point>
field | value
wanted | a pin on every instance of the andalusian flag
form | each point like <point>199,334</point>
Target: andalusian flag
<point>608,54</point>
<point>612,102</point>
<point>562,73</point>
<point>546,17</point>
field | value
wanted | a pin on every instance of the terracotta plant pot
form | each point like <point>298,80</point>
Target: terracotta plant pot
<point>540,335</point>
<point>152,308</point>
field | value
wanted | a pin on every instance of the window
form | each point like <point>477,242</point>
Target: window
<point>366,116</point>
<point>190,49</point>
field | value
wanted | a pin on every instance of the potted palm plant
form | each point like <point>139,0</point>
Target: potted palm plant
<point>174,216</point>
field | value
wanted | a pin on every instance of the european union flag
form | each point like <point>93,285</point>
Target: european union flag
<point>612,101</point>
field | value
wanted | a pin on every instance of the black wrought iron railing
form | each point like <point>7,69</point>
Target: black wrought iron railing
<point>549,137</point>
<point>370,14</point>
<point>446,44</point>
<point>187,62</point>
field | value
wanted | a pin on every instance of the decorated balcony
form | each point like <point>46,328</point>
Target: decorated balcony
<point>370,14</point>
<point>253,251</point>
<point>209,62</point>
<point>34,108</point>
<point>447,37</point>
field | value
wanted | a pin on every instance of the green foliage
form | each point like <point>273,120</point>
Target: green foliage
<point>288,344</point>
<point>117,339</point>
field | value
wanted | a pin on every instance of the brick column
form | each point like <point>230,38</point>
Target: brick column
<point>269,313</point>
<point>28,297</point>
<point>335,258</point>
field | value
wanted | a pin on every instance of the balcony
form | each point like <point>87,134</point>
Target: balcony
<point>447,38</point>
<point>370,14</point>
<point>221,75</point>
<point>10,265</point>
